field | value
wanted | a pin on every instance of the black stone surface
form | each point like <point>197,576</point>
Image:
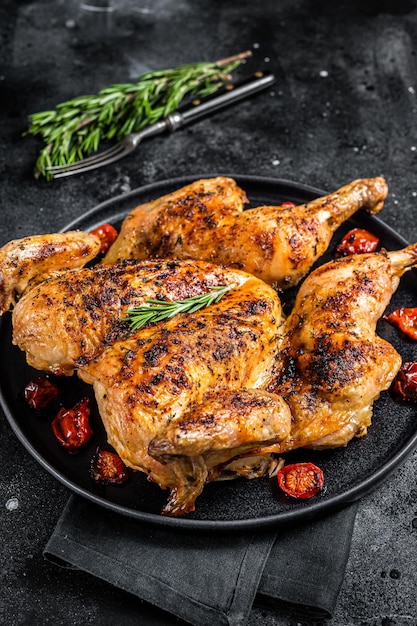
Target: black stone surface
<point>344,107</point>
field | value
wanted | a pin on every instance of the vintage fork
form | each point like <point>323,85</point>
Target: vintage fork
<point>178,119</point>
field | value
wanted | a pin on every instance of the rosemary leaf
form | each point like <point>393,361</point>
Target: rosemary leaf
<point>158,310</point>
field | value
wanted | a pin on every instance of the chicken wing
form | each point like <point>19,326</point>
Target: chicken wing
<point>205,220</point>
<point>28,260</point>
<point>333,364</point>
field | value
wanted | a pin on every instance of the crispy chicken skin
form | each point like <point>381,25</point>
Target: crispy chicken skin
<point>89,304</point>
<point>333,366</point>
<point>25,261</point>
<point>205,220</point>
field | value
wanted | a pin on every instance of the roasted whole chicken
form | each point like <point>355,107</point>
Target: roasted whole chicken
<point>223,391</point>
<point>205,220</point>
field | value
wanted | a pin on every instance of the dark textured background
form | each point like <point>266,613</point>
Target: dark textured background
<point>344,107</point>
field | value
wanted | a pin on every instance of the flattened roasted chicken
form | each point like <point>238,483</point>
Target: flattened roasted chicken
<point>197,397</point>
<point>205,220</point>
<point>179,399</point>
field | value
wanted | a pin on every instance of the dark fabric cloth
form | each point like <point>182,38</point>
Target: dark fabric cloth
<point>207,578</point>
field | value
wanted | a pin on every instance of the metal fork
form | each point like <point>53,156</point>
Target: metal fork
<point>199,109</point>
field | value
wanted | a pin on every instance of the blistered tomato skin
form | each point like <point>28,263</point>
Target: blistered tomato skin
<point>301,480</point>
<point>107,468</point>
<point>357,241</point>
<point>107,235</point>
<point>40,393</point>
<point>71,427</point>
<point>404,386</point>
<point>406,320</point>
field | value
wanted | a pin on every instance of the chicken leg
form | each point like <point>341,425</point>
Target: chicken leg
<point>205,220</point>
<point>333,364</point>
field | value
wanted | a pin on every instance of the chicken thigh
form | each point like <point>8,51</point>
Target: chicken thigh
<point>205,220</point>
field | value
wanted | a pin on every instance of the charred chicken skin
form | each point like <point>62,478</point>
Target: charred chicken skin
<point>26,261</point>
<point>205,220</point>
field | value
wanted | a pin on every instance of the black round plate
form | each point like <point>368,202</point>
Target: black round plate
<point>349,472</point>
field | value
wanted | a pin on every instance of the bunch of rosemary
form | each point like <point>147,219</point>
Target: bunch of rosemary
<point>74,129</point>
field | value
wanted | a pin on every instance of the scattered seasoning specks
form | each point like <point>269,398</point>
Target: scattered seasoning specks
<point>12,504</point>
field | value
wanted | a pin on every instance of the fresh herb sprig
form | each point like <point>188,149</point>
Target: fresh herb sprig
<point>75,129</point>
<point>159,310</point>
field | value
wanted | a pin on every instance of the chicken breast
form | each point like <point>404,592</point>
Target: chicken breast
<point>63,322</point>
<point>205,220</point>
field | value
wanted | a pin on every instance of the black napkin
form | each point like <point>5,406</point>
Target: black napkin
<point>204,578</point>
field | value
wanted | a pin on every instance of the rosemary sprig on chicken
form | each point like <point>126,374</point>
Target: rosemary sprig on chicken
<point>154,311</point>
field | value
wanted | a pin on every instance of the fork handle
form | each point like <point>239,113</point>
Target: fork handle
<point>233,93</point>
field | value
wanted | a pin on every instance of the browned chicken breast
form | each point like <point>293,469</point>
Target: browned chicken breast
<point>333,365</point>
<point>205,220</point>
<point>179,399</point>
<point>26,261</point>
<point>185,397</point>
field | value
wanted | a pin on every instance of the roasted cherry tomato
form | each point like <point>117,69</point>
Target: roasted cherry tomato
<point>108,468</point>
<point>404,386</point>
<point>406,320</point>
<point>40,392</point>
<point>357,241</point>
<point>72,426</point>
<point>300,480</point>
<point>107,235</point>
<point>287,205</point>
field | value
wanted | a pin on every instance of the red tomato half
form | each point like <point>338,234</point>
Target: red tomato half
<point>40,392</point>
<point>72,427</point>
<point>406,320</point>
<point>404,386</point>
<point>108,468</point>
<point>357,241</point>
<point>301,480</point>
<point>107,235</point>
